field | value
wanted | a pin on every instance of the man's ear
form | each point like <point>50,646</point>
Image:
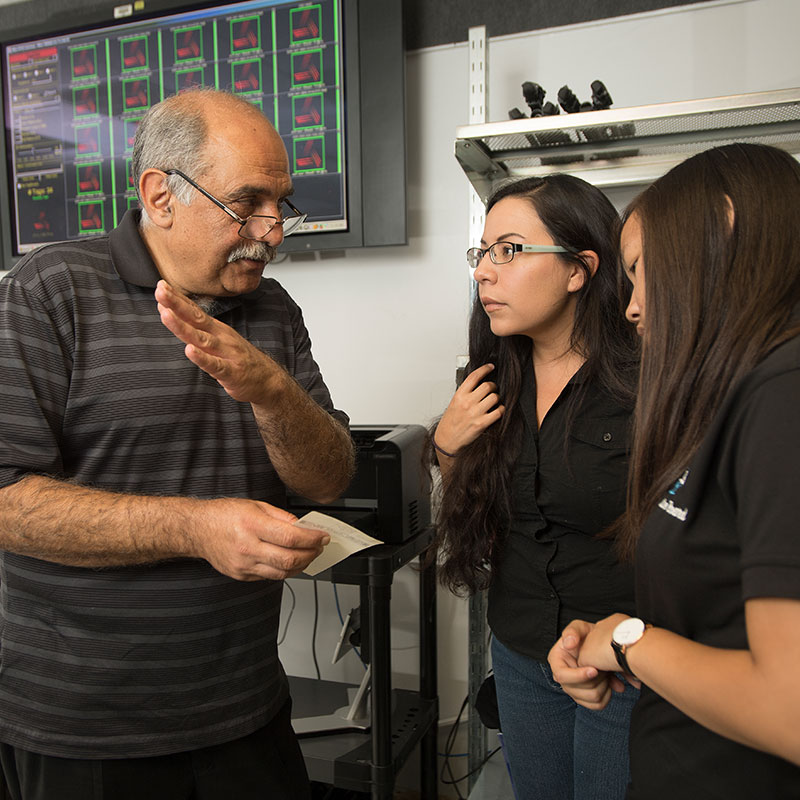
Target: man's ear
<point>578,277</point>
<point>156,197</point>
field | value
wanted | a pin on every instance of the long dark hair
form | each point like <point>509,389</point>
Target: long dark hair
<point>721,253</point>
<point>475,508</point>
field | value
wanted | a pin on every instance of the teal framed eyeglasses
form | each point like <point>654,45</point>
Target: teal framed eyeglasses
<point>503,252</point>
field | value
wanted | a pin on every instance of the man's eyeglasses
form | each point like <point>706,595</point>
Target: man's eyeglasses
<point>503,252</point>
<point>256,226</point>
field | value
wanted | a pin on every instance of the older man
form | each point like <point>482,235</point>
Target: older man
<point>146,443</point>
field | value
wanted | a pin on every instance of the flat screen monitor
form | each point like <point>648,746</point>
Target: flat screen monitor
<point>73,96</point>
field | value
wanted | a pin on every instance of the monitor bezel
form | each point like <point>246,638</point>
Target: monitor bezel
<point>374,67</point>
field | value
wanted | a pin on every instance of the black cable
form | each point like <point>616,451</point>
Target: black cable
<point>472,771</point>
<point>314,631</point>
<point>448,747</point>
<point>291,611</point>
<point>341,619</point>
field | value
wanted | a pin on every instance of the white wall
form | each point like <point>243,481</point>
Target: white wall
<point>388,324</point>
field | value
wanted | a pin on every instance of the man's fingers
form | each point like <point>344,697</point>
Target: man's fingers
<point>217,367</point>
<point>210,345</point>
<point>278,556</point>
<point>284,560</point>
<point>186,320</point>
<point>200,339</point>
<point>277,513</point>
<point>190,329</point>
<point>283,533</point>
<point>181,306</point>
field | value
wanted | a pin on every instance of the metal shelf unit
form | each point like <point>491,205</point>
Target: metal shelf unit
<point>624,146</point>
<point>400,720</point>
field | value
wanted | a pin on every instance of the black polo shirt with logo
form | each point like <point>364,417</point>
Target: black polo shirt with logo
<point>726,531</point>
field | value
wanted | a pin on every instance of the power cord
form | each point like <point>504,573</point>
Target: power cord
<point>282,636</point>
<point>314,631</point>
<point>287,585</point>
<point>356,650</point>
<point>448,754</point>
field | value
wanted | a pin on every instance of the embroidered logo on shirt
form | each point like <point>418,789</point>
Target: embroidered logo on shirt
<point>666,503</point>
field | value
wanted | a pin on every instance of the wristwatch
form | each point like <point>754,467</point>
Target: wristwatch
<point>625,635</point>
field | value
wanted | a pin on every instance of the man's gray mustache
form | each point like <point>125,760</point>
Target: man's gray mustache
<point>255,252</point>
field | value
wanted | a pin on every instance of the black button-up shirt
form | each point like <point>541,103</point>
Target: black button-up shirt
<point>553,567</point>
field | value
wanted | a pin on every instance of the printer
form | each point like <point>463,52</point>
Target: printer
<point>389,496</point>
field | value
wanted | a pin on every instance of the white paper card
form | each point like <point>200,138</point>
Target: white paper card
<point>345,540</point>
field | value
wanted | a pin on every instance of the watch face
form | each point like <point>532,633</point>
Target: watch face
<point>628,631</point>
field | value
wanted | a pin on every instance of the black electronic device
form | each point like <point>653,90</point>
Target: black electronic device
<point>569,101</point>
<point>75,81</point>
<point>534,97</point>
<point>601,99</point>
<point>389,496</point>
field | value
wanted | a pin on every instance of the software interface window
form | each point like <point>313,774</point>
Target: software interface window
<point>73,103</point>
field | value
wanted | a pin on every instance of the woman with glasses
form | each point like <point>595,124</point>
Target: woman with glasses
<point>533,453</point>
<point>713,252</point>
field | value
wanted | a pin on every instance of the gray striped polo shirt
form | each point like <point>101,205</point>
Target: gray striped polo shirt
<point>144,660</point>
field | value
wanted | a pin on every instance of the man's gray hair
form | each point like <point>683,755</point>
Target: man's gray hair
<point>172,135</point>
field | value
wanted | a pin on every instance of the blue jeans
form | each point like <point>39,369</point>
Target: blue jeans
<point>558,750</point>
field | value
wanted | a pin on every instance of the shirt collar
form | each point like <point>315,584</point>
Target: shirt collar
<point>580,376</point>
<point>135,265</point>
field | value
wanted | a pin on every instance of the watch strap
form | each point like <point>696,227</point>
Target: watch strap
<point>621,652</point>
<point>622,659</point>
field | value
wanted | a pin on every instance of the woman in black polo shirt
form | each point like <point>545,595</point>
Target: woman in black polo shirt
<point>533,453</point>
<point>713,252</point>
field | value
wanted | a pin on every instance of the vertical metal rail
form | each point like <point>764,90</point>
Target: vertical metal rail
<point>379,595</point>
<point>478,111</point>
<point>429,680</point>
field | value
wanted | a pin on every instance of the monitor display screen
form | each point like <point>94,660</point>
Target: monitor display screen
<point>72,102</point>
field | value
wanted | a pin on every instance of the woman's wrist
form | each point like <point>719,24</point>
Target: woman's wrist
<point>626,634</point>
<point>440,449</point>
